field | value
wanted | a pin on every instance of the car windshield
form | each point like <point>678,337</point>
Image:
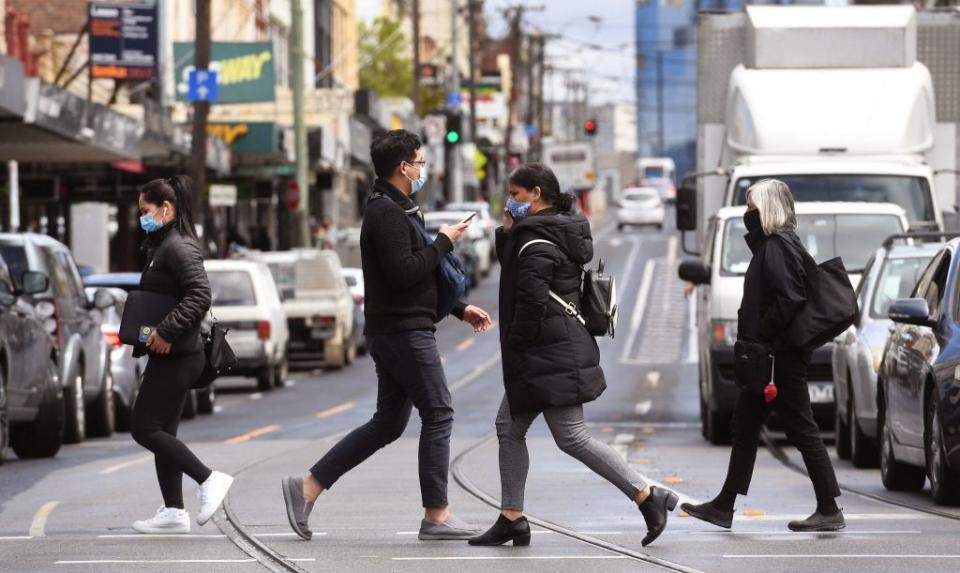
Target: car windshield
<point>637,195</point>
<point>850,236</point>
<point>896,281</point>
<point>911,193</point>
<point>232,288</point>
<point>317,274</point>
<point>350,280</point>
<point>285,278</point>
<point>16,257</point>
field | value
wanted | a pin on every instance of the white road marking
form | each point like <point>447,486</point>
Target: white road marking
<point>16,538</point>
<point>840,556</point>
<point>256,395</point>
<point>39,523</point>
<point>510,558</point>
<point>795,534</point>
<point>658,425</point>
<point>653,378</point>
<point>192,535</point>
<point>124,465</point>
<point>217,409</point>
<point>643,408</point>
<point>846,516</point>
<point>536,532</point>
<point>639,307</point>
<point>624,439</point>
<point>167,561</point>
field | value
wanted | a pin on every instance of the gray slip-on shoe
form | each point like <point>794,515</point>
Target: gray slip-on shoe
<point>453,529</point>
<point>298,508</point>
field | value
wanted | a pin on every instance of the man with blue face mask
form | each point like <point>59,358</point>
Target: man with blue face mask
<point>400,274</point>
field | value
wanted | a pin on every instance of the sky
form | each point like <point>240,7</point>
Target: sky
<point>582,27</point>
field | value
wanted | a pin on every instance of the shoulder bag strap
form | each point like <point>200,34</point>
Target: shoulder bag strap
<point>568,307</point>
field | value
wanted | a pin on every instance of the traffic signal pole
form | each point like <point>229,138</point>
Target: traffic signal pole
<point>455,172</point>
<point>299,124</point>
<point>201,109</point>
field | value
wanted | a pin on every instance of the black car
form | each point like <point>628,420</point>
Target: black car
<point>919,385</point>
<point>31,398</point>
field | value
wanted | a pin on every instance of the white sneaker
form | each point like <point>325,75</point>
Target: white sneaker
<point>167,520</point>
<point>211,494</point>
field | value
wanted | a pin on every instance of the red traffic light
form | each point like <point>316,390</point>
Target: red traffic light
<point>590,127</point>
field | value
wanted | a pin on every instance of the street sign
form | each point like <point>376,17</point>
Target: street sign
<point>123,40</point>
<point>293,195</point>
<point>454,99</point>
<point>202,85</point>
<point>245,70</point>
<point>223,195</point>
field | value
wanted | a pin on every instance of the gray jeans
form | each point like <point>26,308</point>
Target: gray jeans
<point>571,434</point>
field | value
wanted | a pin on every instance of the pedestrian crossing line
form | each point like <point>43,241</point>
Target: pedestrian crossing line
<point>510,557</point>
<point>193,535</point>
<point>840,556</point>
<point>39,523</point>
<point>535,532</point>
<point>16,537</point>
<point>170,561</point>
<point>846,516</point>
<point>336,410</point>
<point>252,434</point>
<point>795,534</point>
<point>124,465</point>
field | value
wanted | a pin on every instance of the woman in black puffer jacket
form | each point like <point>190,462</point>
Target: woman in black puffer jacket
<point>551,363</point>
<point>174,268</point>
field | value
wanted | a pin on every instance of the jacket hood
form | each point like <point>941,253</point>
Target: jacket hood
<point>569,231</point>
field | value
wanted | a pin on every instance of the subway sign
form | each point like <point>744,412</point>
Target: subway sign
<point>244,70</point>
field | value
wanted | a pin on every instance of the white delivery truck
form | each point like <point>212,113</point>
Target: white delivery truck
<point>572,163</point>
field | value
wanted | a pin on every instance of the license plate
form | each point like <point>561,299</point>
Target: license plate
<point>319,333</point>
<point>820,393</point>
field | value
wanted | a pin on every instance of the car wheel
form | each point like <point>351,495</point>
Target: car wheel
<point>189,406</point>
<point>206,399</point>
<point>4,420</point>
<point>863,450</point>
<point>350,353</point>
<point>265,379</point>
<point>842,427</point>
<point>282,372</point>
<point>896,476</point>
<point>718,427</point>
<point>102,420</point>
<point>42,437</point>
<point>75,411</point>
<point>944,483</point>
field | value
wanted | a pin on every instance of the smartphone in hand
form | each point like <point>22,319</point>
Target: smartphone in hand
<point>469,218</point>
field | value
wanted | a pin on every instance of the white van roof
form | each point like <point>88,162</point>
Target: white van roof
<point>826,208</point>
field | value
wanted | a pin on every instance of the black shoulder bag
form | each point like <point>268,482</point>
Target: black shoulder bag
<point>219,357</point>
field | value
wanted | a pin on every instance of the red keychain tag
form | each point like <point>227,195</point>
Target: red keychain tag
<point>770,390</point>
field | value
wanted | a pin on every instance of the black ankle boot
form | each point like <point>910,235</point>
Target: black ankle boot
<point>503,531</point>
<point>709,513</point>
<point>655,510</point>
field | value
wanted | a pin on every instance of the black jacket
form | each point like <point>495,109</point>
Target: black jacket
<point>774,287</point>
<point>175,268</point>
<point>549,359</point>
<point>399,268</point>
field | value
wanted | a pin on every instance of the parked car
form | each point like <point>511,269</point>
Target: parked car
<point>475,234</point>
<point>316,302</point>
<point>246,301</point>
<point>919,398</point>
<point>468,251</point>
<point>354,279</point>
<point>850,230</point>
<point>890,275</point>
<point>198,401</point>
<point>74,321</point>
<point>640,206</point>
<point>31,397</point>
<point>485,220</point>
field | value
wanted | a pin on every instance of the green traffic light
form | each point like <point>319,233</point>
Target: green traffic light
<point>453,136</point>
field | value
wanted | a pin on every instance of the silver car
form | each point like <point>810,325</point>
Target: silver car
<point>890,274</point>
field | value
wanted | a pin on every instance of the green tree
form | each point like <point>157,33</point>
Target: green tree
<point>383,67</point>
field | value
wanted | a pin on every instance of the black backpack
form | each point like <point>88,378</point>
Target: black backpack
<point>598,298</point>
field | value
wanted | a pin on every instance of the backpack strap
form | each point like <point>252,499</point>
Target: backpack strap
<point>568,307</point>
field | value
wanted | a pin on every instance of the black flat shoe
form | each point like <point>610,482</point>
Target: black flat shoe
<point>707,512</point>
<point>819,522</point>
<point>503,531</point>
<point>655,510</point>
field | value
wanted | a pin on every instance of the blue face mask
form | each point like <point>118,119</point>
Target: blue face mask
<point>149,224</point>
<point>416,185</point>
<point>518,209</point>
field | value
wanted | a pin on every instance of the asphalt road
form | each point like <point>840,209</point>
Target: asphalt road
<point>73,513</point>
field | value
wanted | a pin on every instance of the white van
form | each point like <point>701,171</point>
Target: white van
<point>852,231</point>
<point>246,301</point>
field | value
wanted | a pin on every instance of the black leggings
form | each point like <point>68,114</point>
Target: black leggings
<point>156,415</point>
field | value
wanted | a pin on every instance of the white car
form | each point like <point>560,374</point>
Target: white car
<point>475,234</point>
<point>316,302</point>
<point>354,279</point>
<point>640,206</point>
<point>246,301</point>
<point>852,231</point>
<point>484,219</point>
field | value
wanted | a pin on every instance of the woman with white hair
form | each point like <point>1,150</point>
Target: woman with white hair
<point>774,290</point>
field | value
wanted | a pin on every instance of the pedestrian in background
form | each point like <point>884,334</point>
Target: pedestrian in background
<point>551,363</point>
<point>176,356</point>
<point>774,291</point>
<point>400,275</point>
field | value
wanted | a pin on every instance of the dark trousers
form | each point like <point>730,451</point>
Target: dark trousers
<point>409,374</point>
<point>793,407</point>
<point>156,415</point>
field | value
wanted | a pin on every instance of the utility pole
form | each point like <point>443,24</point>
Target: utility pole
<point>201,110</point>
<point>416,57</point>
<point>472,6</point>
<point>455,175</point>
<point>299,125</point>
<point>515,40</point>
<point>660,122</point>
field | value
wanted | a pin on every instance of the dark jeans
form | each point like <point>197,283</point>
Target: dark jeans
<point>409,374</point>
<point>156,415</point>
<point>793,407</point>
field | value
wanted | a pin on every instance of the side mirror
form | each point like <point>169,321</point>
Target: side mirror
<point>911,311</point>
<point>7,297</point>
<point>103,299</point>
<point>35,282</point>
<point>687,205</point>
<point>695,272</point>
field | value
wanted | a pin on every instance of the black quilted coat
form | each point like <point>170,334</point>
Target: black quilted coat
<point>549,359</point>
<point>175,268</point>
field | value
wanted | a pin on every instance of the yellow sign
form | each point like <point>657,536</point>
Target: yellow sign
<point>228,132</point>
<point>480,161</point>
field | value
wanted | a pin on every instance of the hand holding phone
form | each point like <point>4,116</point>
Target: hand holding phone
<point>469,218</point>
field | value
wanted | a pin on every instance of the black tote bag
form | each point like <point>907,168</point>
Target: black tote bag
<point>830,309</point>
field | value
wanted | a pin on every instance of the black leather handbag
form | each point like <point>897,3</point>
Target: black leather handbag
<point>220,358</point>
<point>752,366</point>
